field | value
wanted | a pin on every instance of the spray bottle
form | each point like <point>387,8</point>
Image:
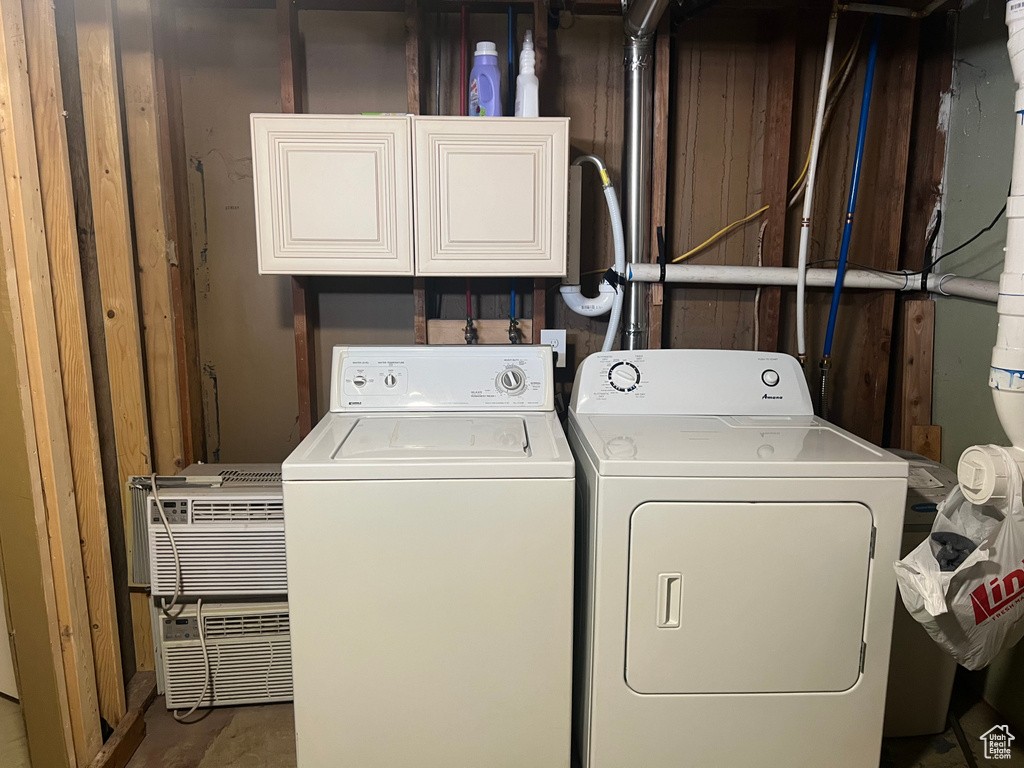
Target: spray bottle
<point>527,85</point>
<point>485,82</point>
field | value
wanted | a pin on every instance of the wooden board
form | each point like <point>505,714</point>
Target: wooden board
<point>75,365</point>
<point>488,331</point>
<point>660,169</point>
<point>178,229</point>
<point>926,439</point>
<point>22,171</point>
<point>74,121</point>
<point>720,100</point>
<point>150,187</point>
<point>304,298</point>
<point>917,356</point>
<point>115,258</point>
<point>778,138</point>
<point>24,543</point>
<point>142,629</point>
<point>125,739</point>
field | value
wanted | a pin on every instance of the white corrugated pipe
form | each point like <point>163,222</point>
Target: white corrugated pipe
<point>947,285</point>
<point>983,472</point>
<point>609,296</point>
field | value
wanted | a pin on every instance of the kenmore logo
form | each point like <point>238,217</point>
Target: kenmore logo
<point>771,397</point>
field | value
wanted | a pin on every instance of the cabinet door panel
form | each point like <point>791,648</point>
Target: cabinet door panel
<point>333,194</point>
<point>491,196</point>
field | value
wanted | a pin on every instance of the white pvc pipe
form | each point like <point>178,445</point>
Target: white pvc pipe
<point>609,296</point>
<point>1006,376</point>
<point>947,285</point>
<point>812,172</point>
<point>573,297</point>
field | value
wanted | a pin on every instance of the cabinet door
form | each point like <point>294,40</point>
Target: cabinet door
<point>333,194</point>
<point>491,196</point>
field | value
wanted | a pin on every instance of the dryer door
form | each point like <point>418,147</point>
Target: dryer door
<point>746,597</point>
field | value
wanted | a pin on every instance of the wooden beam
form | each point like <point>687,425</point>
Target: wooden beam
<point>126,738</point>
<point>150,187</point>
<point>413,44</point>
<point>659,185</point>
<point>488,331</point>
<point>419,299</point>
<point>178,229</point>
<point>540,295</point>
<point>24,541</point>
<point>917,363</point>
<point>74,122</point>
<point>778,130</point>
<point>75,365</point>
<point>926,440</point>
<point>877,231</point>
<point>22,171</point>
<point>115,257</point>
<point>304,296</point>
<point>540,42</point>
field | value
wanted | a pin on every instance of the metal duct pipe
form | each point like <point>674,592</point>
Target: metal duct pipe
<point>641,20</point>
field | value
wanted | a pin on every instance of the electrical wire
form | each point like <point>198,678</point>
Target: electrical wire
<point>842,76</point>
<point>720,234</point>
<point>166,608</point>
<point>207,677</point>
<point>174,552</point>
<point>959,248</point>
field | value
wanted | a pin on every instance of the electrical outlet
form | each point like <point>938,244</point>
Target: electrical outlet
<point>556,338</point>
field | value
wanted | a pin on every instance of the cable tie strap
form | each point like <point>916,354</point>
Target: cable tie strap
<point>614,278</point>
<point>661,254</point>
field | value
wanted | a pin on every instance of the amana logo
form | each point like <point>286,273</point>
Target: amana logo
<point>771,397</point>
<point>997,596</point>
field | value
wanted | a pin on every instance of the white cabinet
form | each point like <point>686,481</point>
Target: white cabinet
<point>350,195</point>
<point>491,196</point>
<point>333,194</point>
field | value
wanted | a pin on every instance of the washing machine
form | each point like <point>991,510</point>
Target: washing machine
<point>429,529</point>
<point>735,567</point>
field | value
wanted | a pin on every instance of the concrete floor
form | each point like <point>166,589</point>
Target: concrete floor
<point>13,747</point>
<point>263,737</point>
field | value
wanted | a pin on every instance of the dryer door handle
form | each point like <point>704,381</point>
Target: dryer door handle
<point>670,595</point>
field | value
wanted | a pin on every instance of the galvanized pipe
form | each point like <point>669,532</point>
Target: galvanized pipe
<point>636,179</point>
<point>640,21</point>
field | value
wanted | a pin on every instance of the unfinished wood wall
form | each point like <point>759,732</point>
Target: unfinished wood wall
<point>720,71</point>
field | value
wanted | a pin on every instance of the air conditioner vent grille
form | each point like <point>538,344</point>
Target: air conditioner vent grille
<point>246,625</point>
<point>238,511</point>
<point>238,476</point>
<point>238,562</point>
<point>258,671</point>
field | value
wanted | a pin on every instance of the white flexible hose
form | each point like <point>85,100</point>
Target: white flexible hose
<point>619,242</point>
<point>812,172</point>
<point>609,296</point>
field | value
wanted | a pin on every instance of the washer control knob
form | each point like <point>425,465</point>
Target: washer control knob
<point>512,380</point>
<point>624,376</point>
<point>359,380</point>
<point>390,380</point>
<point>770,378</point>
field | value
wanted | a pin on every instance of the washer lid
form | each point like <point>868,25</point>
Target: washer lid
<point>453,437</point>
<point>386,446</point>
<point>728,446</point>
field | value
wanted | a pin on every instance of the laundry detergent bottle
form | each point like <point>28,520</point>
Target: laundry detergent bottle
<point>485,82</point>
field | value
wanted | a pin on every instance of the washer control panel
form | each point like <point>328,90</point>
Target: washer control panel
<point>470,378</point>
<point>707,382</point>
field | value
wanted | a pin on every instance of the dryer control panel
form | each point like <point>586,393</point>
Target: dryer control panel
<point>469,378</point>
<point>693,382</point>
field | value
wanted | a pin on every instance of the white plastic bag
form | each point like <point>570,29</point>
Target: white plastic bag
<point>978,609</point>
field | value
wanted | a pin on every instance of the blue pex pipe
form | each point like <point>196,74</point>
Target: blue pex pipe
<point>512,302</point>
<point>844,251</point>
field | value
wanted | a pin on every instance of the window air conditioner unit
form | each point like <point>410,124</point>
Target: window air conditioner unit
<point>249,650</point>
<point>227,525</point>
